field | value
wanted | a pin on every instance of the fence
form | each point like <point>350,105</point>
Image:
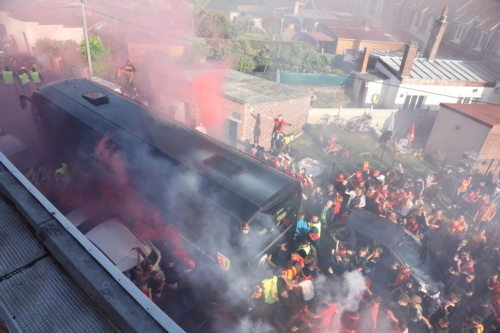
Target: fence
<point>304,79</point>
<point>71,71</point>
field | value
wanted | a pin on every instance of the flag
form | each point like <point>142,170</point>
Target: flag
<point>388,129</point>
<point>411,135</point>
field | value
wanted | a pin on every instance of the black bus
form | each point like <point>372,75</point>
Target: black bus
<point>230,207</point>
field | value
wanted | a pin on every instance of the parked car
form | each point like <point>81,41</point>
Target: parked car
<point>371,230</point>
<point>17,61</point>
<point>17,152</point>
<point>114,238</point>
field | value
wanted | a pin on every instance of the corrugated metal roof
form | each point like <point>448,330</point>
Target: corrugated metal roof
<point>446,70</point>
<point>488,114</point>
<point>320,36</point>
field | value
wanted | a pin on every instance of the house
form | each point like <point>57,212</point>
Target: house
<point>310,19</point>
<point>357,38</point>
<point>416,81</point>
<point>247,100</point>
<point>461,128</point>
<point>29,24</point>
<point>320,41</point>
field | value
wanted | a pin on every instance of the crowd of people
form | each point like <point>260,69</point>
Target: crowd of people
<point>304,277</point>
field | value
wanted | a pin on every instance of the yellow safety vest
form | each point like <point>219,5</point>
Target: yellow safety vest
<point>317,225</point>
<point>24,78</point>
<point>8,77</point>
<point>307,249</point>
<point>63,170</point>
<point>268,297</point>
<point>36,77</point>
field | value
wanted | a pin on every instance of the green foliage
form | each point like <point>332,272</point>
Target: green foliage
<point>323,64</point>
<point>222,53</point>
<point>51,47</point>
<point>104,69</point>
<point>310,61</point>
<point>97,49</point>
<point>114,41</point>
<point>216,26</point>
<point>295,58</point>
<point>196,54</point>
<point>264,58</point>
<point>272,25</point>
<point>201,4</point>
<point>242,53</point>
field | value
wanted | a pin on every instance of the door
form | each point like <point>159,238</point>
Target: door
<point>230,130</point>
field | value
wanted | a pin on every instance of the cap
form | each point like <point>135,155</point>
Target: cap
<point>381,177</point>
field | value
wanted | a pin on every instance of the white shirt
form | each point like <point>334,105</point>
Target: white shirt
<point>406,209</point>
<point>307,289</point>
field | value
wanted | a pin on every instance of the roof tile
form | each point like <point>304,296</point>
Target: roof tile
<point>487,114</point>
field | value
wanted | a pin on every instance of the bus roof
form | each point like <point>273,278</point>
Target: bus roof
<point>257,188</point>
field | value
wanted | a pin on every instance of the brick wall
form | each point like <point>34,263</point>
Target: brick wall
<point>489,151</point>
<point>343,45</point>
<point>294,112</point>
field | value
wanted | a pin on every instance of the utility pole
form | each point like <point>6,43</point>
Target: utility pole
<point>85,34</point>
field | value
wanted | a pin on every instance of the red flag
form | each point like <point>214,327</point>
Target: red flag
<point>411,135</point>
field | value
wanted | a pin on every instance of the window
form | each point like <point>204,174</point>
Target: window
<point>479,40</point>
<point>416,19</point>
<point>368,5</point>
<point>414,102</point>
<point>378,8</point>
<point>458,33</point>
<point>468,100</point>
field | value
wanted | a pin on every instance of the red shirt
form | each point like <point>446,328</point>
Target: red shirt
<point>279,126</point>
<point>327,314</point>
<point>402,277</point>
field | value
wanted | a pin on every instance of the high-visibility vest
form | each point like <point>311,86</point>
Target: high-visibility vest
<point>479,328</point>
<point>268,297</point>
<point>317,225</point>
<point>307,249</point>
<point>8,77</point>
<point>36,77</point>
<point>24,78</point>
<point>63,170</point>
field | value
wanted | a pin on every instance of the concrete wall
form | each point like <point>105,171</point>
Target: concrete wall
<point>396,92</point>
<point>343,45</point>
<point>35,31</point>
<point>450,143</point>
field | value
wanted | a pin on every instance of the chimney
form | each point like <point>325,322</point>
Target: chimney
<point>436,36</point>
<point>366,57</point>
<point>296,8</point>
<point>366,25</point>
<point>408,59</point>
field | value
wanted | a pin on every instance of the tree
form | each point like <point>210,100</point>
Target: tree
<point>196,53</point>
<point>323,63</point>
<point>97,49</point>
<point>242,56</point>
<point>272,25</point>
<point>296,57</point>
<point>310,61</point>
<point>201,4</point>
<point>51,47</point>
<point>216,26</point>
<point>264,58</point>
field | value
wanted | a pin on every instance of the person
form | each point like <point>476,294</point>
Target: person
<point>486,213</point>
<point>157,282</point>
<point>443,178</point>
<point>463,185</point>
<point>404,274</point>
<point>278,132</point>
<point>25,80</point>
<point>475,326</point>
<point>330,309</point>
<point>405,288</point>
<point>280,256</point>
<point>172,277</point>
<point>201,128</point>
<point>8,78</point>
<point>328,213</point>
<point>36,77</point>
<point>357,199</point>
<point>143,285</point>
<point>442,326</point>
<point>458,227</point>
<point>368,318</point>
<point>128,71</point>
<point>305,283</point>
<point>303,228</point>
<point>290,302</point>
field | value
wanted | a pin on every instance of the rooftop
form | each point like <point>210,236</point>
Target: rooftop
<point>487,114</point>
<point>254,90</point>
<point>444,70</point>
<point>434,6</point>
<point>372,76</point>
<point>325,16</point>
<point>320,36</point>
<point>375,35</point>
<point>487,11</point>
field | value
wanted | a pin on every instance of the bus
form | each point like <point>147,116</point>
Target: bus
<point>229,207</point>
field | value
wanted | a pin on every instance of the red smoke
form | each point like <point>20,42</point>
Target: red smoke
<point>207,90</point>
<point>120,197</point>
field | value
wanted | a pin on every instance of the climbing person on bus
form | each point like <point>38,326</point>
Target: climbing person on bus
<point>277,136</point>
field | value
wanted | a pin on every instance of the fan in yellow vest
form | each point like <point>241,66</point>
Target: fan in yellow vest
<point>270,286</point>
<point>37,78</point>
<point>25,80</point>
<point>475,326</point>
<point>8,78</point>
